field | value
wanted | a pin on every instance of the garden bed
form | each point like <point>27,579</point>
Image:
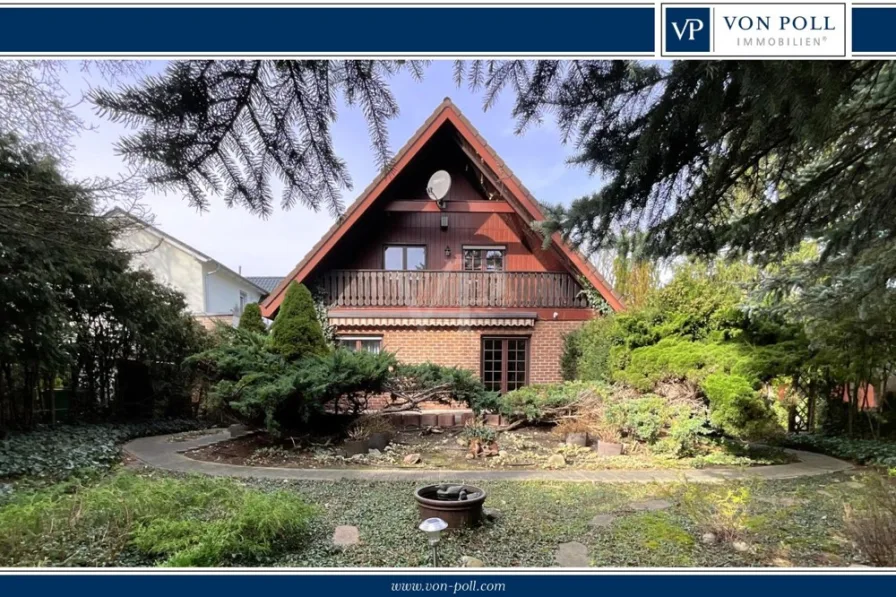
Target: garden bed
<point>529,448</point>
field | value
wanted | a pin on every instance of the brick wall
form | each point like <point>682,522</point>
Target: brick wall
<point>461,347</point>
<point>209,321</point>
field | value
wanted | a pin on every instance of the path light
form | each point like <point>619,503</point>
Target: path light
<point>433,528</point>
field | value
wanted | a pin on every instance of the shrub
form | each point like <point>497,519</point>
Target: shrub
<point>723,512</point>
<point>545,403</point>
<point>871,524</point>
<point>642,419</point>
<point>424,382</point>
<point>594,343</point>
<point>476,430</point>
<point>251,320</point>
<point>572,352</point>
<point>197,521</point>
<point>57,452</point>
<point>296,331</point>
<point>735,408</point>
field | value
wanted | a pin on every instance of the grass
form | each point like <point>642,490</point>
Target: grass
<point>157,519</point>
<point>130,518</point>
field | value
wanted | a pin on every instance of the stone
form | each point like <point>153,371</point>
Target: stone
<point>374,453</point>
<point>502,453</point>
<point>462,441</point>
<point>491,513</point>
<point>577,439</point>
<point>469,456</point>
<point>345,536</point>
<point>854,485</point>
<point>572,555</point>
<point>465,418</point>
<point>471,562</point>
<point>741,546</point>
<point>429,420</point>
<point>709,538</point>
<point>358,458</point>
<point>446,421</point>
<point>493,420</point>
<point>238,430</point>
<point>556,461</point>
<point>412,459</point>
<point>650,505</point>
<point>608,449</point>
<point>412,420</point>
<point>602,521</point>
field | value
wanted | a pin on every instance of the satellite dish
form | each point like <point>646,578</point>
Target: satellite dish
<point>438,185</point>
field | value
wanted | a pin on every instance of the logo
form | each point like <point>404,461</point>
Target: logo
<point>687,29</point>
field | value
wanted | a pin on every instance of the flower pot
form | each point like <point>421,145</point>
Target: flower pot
<point>355,446</point>
<point>577,439</point>
<point>379,440</point>
<point>609,449</point>
<point>457,513</point>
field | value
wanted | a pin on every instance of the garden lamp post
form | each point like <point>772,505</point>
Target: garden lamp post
<point>433,528</point>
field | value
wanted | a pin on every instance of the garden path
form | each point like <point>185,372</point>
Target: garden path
<point>164,452</point>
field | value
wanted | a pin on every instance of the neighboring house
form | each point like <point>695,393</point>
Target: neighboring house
<point>461,282</point>
<point>213,291</point>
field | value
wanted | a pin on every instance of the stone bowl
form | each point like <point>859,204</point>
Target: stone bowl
<point>457,513</point>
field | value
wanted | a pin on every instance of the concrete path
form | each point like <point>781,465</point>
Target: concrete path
<point>161,452</point>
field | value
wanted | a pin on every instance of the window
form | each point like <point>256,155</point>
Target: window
<point>505,363</point>
<point>397,257</point>
<point>484,259</point>
<point>244,298</point>
<point>366,343</point>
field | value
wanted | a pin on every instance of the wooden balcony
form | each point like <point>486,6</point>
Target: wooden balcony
<point>423,289</point>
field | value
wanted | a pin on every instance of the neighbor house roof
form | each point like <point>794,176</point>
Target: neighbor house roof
<point>144,225</point>
<point>523,202</point>
<point>269,283</point>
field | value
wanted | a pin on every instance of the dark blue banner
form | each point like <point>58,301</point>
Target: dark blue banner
<point>411,30</point>
<point>457,582</point>
<point>874,29</point>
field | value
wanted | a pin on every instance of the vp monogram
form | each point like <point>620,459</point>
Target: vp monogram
<point>690,27</point>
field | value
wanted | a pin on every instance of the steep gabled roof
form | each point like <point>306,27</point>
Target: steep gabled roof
<point>520,198</point>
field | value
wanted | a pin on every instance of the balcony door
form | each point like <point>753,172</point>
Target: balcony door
<point>485,289</point>
<point>505,363</point>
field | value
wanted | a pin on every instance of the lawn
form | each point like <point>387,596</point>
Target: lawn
<point>127,518</point>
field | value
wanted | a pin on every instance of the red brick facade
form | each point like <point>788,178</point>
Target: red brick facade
<point>461,347</point>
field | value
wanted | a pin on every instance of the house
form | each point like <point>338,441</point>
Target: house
<point>213,291</point>
<point>464,281</point>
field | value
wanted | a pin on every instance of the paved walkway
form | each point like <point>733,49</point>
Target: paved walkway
<point>161,452</point>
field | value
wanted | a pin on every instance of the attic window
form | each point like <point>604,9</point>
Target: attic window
<point>484,259</point>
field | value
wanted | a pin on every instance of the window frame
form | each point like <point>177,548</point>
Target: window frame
<point>504,350</point>
<point>483,257</point>
<point>340,340</point>
<point>243,301</point>
<point>404,256</point>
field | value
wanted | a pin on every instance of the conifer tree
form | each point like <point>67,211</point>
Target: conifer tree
<point>296,331</point>
<point>251,320</point>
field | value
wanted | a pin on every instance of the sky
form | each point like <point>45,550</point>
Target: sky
<point>244,242</point>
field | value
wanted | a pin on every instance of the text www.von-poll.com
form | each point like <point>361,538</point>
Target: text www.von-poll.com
<point>469,586</point>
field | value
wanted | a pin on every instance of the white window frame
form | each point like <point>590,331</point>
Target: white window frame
<point>357,339</point>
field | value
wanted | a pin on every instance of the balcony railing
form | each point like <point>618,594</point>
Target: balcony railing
<point>380,288</point>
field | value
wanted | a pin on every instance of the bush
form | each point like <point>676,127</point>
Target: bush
<point>197,521</point>
<point>572,352</point>
<point>296,331</point>
<point>251,321</point>
<point>544,403</point>
<point>675,428</point>
<point>57,452</point>
<point>735,408</point>
<point>871,525</point>
<point>595,343</point>
<point>424,382</point>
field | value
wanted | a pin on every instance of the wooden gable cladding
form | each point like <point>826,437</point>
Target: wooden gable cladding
<point>423,228</point>
<point>362,229</point>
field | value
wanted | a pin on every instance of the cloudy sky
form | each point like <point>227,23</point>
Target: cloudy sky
<point>272,247</point>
